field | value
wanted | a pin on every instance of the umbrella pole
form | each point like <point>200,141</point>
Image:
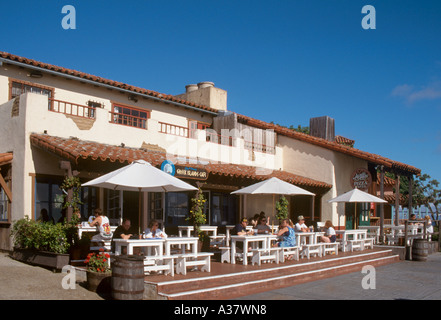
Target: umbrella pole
<point>140,211</point>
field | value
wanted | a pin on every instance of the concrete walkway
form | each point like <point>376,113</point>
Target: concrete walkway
<point>403,280</point>
<point>399,281</point>
<point>20,281</point>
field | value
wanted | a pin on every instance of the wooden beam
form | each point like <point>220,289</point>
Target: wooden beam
<point>397,199</point>
<point>382,204</point>
<point>410,179</point>
<point>67,166</point>
<point>5,187</point>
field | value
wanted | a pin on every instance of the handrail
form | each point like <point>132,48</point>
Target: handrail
<point>72,109</point>
<point>172,129</point>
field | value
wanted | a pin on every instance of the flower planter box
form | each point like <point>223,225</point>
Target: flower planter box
<point>50,260</point>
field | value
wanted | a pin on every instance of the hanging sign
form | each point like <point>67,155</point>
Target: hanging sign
<point>184,172</point>
<point>361,179</point>
<point>187,172</point>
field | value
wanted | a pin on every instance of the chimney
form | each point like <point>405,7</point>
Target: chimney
<point>322,127</point>
<point>205,93</point>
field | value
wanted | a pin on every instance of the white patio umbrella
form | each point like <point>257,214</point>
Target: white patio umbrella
<point>356,196</point>
<point>273,186</point>
<point>140,176</point>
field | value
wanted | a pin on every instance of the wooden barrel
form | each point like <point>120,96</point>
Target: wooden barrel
<point>128,278</point>
<point>420,250</point>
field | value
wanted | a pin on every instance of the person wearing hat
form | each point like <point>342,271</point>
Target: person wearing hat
<point>301,226</point>
<point>241,228</point>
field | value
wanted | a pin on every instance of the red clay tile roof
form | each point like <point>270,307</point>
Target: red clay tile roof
<point>5,158</point>
<point>344,141</point>
<point>75,150</point>
<point>374,158</point>
<point>387,181</point>
<point>81,75</point>
<point>252,122</point>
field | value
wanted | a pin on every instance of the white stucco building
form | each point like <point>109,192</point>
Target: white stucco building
<point>50,116</point>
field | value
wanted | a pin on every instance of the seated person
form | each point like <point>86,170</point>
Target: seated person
<point>102,224</point>
<point>124,231</point>
<point>253,222</point>
<point>330,235</point>
<point>241,228</point>
<point>262,226</point>
<point>153,231</point>
<point>301,226</point>
<point>286,234</point>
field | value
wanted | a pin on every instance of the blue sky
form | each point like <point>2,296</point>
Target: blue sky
<point>282,61</point>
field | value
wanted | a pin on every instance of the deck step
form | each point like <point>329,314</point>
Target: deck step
<point>232,285</point>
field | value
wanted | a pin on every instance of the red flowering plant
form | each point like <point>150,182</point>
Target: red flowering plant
<point>98,262</point>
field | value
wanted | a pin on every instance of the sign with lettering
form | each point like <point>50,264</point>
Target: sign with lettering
<point>187,172</point>
<point>361,179</point>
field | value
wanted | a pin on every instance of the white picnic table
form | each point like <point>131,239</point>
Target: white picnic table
<point>372,231</point>
<point>265,239</point>
<point>149,243</point>
<point>311,236</point>
<point>189,229</point>
<point>355,234</point>
<point>183,242</point>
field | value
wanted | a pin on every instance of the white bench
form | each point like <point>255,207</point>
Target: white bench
<point>310,249</point>
<point>192,260</point>
<point>259,255</point>
<point>167,264</point>
<point>329,247</point>
<point>356,244</point>
<point>369,242</point>
<point>225,254</point>
<point>290,251</point>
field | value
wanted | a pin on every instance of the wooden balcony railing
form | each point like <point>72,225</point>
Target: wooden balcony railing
<point>72,109</point>
<point>173,129</point>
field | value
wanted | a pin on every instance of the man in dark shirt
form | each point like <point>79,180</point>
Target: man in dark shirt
<point>241,228</point>
<point>124,231</point>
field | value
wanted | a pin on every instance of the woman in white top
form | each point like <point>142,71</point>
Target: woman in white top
<point>102,224</point>
<point>153,231</point>
<point>330,235</point>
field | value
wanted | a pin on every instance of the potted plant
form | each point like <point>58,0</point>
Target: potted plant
<point>197,216</point>
<point>98,271</point>
<point>282,209</point>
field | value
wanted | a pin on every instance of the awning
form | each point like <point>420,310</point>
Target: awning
<point>76,150</point>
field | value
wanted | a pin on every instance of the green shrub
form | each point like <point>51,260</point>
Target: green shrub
<point>282,209</point>
<point>44,236</point>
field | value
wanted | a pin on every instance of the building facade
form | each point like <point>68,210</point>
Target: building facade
<point>57,122</point>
